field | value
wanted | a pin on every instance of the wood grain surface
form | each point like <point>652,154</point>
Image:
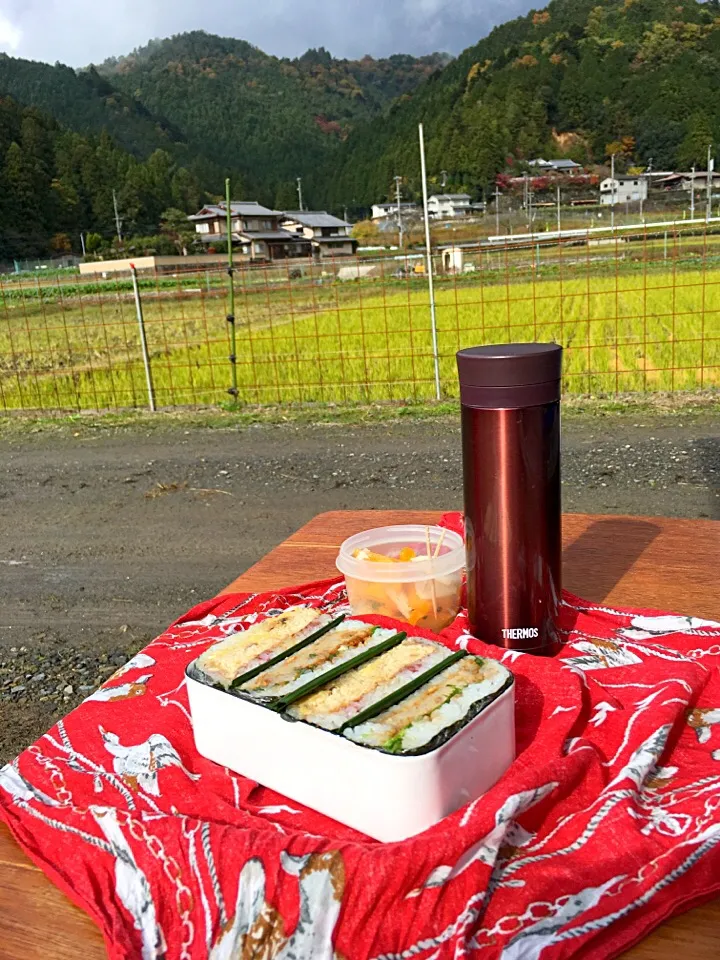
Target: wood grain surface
<point>655,562</point>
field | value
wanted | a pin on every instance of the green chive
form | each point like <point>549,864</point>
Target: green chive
<point>393,698</point>
<point>312,685</point>
<point>251,674</point>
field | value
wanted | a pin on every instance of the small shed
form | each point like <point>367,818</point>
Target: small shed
<point>452,259</point>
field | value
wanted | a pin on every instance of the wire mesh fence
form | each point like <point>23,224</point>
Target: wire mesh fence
<point>638,311</point>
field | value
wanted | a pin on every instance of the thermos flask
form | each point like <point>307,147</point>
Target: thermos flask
<point>510,400</point>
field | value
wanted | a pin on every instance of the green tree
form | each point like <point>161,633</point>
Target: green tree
<point>23,207</point>
<point>692,152</point>
<point>93,242</point>
<point>175,225</point>
<point>286,197</point>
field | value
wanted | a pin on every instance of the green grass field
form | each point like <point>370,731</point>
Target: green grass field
<point>624,330</point>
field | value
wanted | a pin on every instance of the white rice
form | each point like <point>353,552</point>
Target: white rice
<point>421,731</point>
<point>282,686</point>
<point>215,676</point>
<point>334,720</point>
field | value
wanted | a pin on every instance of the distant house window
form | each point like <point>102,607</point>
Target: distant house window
<point>236,225</point>
<point>203,227</point>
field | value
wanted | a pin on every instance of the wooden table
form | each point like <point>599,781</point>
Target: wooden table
<point>668,564</point>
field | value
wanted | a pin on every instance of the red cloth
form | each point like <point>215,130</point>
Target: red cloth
<point>606,824</point>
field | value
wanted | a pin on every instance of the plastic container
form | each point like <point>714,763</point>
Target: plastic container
<point>425,592</point>
<point>384,796</point>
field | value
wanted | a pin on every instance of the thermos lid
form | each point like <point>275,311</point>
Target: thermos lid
<point>510,374</point>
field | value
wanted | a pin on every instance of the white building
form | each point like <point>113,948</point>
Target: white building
<point>446,206</point>
<point>623,190</point>
<point>329,236</point>
<point>380,211</point>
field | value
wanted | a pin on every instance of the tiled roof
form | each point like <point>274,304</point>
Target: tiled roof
<point>238,208</point>
<point>315,218</point>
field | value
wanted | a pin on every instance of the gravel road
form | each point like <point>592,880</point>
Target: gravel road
<point>110,533</point>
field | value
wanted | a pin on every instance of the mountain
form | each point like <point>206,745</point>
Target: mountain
<point>55,184</point>
<point>163,126</point>
<point>221,106</point>
<point>87,103</point>
<point>271,119</point>
<point>581,78</point>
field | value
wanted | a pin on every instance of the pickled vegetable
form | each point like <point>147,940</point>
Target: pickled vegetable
<point>411,602</point>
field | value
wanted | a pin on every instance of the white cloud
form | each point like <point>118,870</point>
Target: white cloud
<point>10,35</point>
<point>82,31</point>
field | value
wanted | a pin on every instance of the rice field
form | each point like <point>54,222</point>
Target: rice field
<point>310,341</point>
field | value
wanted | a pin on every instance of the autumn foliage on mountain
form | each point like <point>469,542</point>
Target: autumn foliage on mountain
<point>166,124</point>
<point>576,79</point>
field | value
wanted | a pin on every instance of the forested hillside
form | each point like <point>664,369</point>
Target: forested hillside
<point>271,119</point>
<point>86,102</point>
<point>55,183</point>
<point>579,78</point>
<point>165,125</point>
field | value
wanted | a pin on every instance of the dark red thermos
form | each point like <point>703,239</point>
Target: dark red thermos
<point>510,396</point>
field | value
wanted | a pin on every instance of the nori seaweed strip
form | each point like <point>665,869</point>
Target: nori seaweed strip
<point>397,695</point>
<point>312,685</point>
<point>251,674</point>
<point>195,673</point>
<point>447,733</point>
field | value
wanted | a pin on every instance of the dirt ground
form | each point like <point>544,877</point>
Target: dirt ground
<point>108,534</point>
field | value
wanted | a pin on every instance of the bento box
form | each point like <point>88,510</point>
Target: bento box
<point>385,733</point>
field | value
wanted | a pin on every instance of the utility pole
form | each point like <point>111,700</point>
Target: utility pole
<point>118,221</point>
<point>497,211</point>
<point>558,209</point>
<point>299,193</point>
<point>346,217</point>
<point>82,242</point>
<point>612,192</point>
<point>692,195</point>
<point>710,167</point>
<point>443,174</point>
<point>527,201</point>
<point>398,196</point>
<point>645,186</point>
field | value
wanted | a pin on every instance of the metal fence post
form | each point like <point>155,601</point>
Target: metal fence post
<point>143,340</point>
<point>431,286</point>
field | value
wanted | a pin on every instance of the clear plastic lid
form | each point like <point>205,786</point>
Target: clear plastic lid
<point>389,541</point>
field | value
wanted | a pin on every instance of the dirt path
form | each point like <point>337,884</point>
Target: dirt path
<point>96,558</point>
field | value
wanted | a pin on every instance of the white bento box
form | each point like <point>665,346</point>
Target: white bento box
<point>386,796</point>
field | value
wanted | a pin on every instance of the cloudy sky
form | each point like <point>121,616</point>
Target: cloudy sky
<point>79,32</point>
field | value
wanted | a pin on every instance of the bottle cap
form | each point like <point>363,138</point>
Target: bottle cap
<point>510,375</point>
